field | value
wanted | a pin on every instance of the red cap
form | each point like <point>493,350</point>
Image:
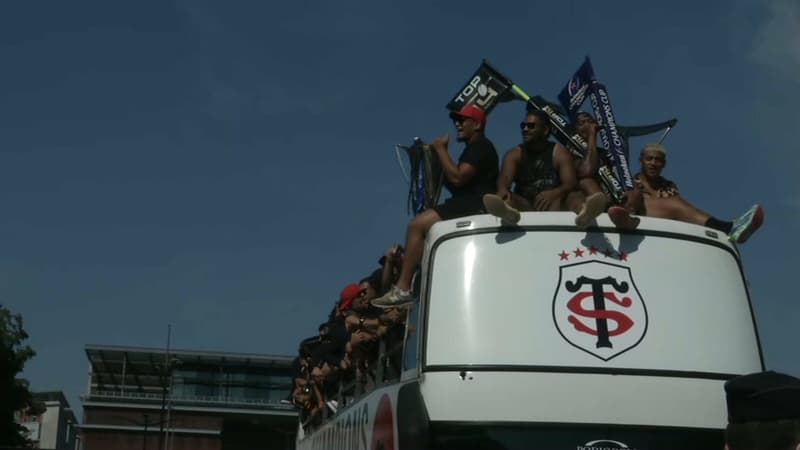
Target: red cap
<point>472,112</point>
<point>349,293</point>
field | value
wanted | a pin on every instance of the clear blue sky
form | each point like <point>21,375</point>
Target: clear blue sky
<point>228,168</point>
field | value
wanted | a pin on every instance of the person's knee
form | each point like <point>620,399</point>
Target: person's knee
<point>424,222</point>
<point>663,208</point>
<point>519,202</point>
<point>588,185</point>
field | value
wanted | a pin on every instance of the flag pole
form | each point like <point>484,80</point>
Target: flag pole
<point>664,136</point>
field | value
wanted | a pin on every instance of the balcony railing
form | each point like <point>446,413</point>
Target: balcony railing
<point>183,399</point>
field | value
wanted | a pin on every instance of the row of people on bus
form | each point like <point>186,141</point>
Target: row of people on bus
<point>542,175</point>
<point>344,359</point>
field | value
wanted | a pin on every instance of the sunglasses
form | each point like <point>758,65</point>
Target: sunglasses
<point>528,125</point>
<point>460,119</point>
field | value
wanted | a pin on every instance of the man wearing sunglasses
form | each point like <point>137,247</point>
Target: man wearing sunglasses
<point>474,175</point>
<point>542,172</point>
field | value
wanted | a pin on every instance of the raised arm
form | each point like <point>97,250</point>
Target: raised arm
<point>456,174</point>
<point>591,162</point>
<point>565,165</point>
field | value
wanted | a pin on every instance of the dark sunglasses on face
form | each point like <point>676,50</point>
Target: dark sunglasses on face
<point>528,125</point>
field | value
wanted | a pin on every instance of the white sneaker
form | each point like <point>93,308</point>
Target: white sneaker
<point>592,207</point>
<point>333,405</point>
<point>747,224</point>
<point>395,298</point>
<point>496,206</point>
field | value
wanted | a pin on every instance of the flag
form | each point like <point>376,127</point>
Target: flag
<point>610,135</point>
<point>485,88</point>
<point>574,93</point>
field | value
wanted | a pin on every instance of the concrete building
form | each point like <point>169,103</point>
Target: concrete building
<point>142,398</point>
<point>56,427</point>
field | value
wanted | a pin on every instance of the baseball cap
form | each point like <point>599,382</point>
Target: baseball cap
<point>763,397</point>
<point>349,293</point>
<point>470,111</point>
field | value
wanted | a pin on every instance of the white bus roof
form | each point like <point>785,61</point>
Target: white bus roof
<point>567,220</point>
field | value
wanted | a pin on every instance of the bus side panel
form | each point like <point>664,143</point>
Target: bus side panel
<point>389,418</point>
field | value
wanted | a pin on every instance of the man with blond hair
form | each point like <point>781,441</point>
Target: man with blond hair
<point>662,199</point>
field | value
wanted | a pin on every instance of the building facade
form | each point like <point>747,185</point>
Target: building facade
<point>144,398</point>
<point>53,429</point>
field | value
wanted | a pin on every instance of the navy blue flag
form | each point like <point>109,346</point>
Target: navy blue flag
<point>574,93</point>
<point>584,83</point>
<point>610,135</point>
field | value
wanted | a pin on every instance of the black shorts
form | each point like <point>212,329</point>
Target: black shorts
<point>462,206</point>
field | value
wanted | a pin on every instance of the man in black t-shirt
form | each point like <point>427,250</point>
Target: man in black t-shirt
<point>474,175</point>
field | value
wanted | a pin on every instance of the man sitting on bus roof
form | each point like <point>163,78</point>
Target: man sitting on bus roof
<point>663,200</point>
<point>763,412</point>
<point>473,175</point>
<point>593,196</point>
<point>542,171</point>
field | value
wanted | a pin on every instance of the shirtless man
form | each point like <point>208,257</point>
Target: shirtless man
<point>663,200</point>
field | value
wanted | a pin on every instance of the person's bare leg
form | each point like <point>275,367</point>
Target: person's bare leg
<point>634,201</point>
<point>676,208</point>
<point>400,294</point>
<point>589,186</point>
<point>593,204</point>
<point>575,201</point>
<point>415,244</point>
<point>687,212</point>
<point>519,202</point>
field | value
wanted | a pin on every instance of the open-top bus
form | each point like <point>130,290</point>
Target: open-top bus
<point>544,335</point>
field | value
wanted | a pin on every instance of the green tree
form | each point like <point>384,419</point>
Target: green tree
<point>14,393</point>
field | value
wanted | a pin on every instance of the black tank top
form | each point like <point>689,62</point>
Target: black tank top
<point>536,172</point>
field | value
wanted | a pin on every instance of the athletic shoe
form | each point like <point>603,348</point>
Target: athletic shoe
<point>333,405</point>
<point>592,207</point>
<point>747,224</point>
<point>622,218</point>
<point>395,298</point>
<point>496,206</point>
